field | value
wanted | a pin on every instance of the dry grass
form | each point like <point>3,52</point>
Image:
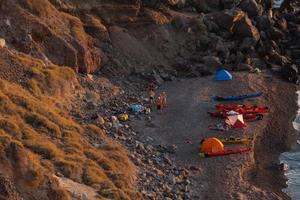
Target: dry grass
<point>76,28</point>
<point>39,7</point>
<point>39,138</point>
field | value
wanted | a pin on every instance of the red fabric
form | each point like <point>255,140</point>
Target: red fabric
<point>239,124</point>
<point>227,152</point>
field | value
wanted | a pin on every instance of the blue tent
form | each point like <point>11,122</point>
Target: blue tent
<point>223,75</point>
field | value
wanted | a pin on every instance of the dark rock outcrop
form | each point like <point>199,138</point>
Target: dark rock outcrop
<point>251,7</point>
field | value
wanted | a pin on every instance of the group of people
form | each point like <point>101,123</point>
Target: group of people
<point>160,100</point>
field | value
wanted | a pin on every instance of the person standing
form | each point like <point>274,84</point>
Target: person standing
<point>159,103</point>
<point>152,96</point>
<point>164,99</point>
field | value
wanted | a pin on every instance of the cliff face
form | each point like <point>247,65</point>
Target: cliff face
<point>118,37</point>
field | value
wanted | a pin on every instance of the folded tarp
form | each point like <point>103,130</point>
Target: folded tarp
<point>234,98</point>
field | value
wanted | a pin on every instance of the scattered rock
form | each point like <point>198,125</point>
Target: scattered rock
<point>247,44</point>
<point>276,34</point>
<point>194,168</point>
<point>264,22</point>
<point>201,6</point>
<point>257,63</point>
<point>243,67</point>
<point>290,72</point>
<point>227,4</point>
<point>228,18</point>
<point>212,62</point>
<point>8,190</point>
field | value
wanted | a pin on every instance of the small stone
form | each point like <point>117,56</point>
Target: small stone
<point>194,168</point>
<point>159,172</point>
<point>179,197</point>
<point>101,120</point>
<point>91,105</point>
<point>171,148</point>
<point>140,146</point>
<point>108,125</point>
<point>59,174</point>
<point>172,179</point>
<point>283,167</point>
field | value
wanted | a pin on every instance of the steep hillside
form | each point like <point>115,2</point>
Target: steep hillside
<point>39,139</point>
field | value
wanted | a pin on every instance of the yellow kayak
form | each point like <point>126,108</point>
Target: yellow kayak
<point>236,140</point>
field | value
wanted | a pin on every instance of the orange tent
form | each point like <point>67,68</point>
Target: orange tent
<point>235,121</point>
<point>210,145</point>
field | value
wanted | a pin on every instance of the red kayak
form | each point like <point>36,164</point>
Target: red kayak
<point>242,108</point>
<point>225,152</point>
<point>245,115</point>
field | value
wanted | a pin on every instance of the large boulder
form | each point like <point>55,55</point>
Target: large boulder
<point>244,28</point>
<point>117,13</point>
<point>290,72</point>
<point>264,22</point>
<point>268,4</point>
<point>228,4</point>
<point>282,24</point>
<point>211,26</point>
<point>204,70</point>
<point>157,3</point>
<point>215,4</point>
<point>275,57</point>
<point>257,63</point>
<point>296,53</point>
<point>227,18</point>
<point>242,67</point>
<point>251,7</point>
<point>179,3</point>
<point>247,44</point>
<point>276,34</point>
<point>201,6</point>
<point>212,62</point>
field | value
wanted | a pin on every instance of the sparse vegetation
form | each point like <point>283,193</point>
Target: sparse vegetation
<point>43,138</point>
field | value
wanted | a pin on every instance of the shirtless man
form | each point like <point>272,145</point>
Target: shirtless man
<point>152,96</point>
<point>164,99</point>
<point>159,103</point>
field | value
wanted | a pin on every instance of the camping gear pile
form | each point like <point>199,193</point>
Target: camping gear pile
<point>233,117</point>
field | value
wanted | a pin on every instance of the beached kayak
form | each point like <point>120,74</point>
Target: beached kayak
<point>245,115</point>
<point>242,108</point>
<point>235,98</point>
<point>236,140</point>
<point>225,152</point>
